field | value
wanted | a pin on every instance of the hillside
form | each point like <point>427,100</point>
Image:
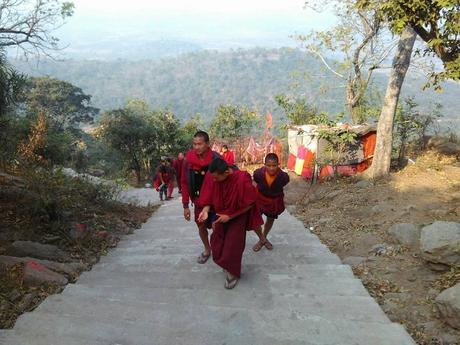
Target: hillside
<point>197,82</point>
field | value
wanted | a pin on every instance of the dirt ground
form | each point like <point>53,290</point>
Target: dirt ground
<point>352,221</point>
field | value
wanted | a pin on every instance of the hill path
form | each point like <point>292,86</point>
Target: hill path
<point>150,291</point>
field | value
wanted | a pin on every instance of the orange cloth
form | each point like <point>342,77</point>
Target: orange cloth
<point>270,179</point>
<point>369,141</point>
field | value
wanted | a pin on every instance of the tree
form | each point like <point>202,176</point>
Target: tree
<point>297,110</point>
<point>412,125</point>
<point>436,22</point>
<point>188,130</point>
<point>382,155</point>
<point>361,41</point>
<point>166,140</point>
<point>65,104</point>
<point>11,83</point>
<point>127,133</point>
<point>233,122</point>
<point>29,24</point>
<point>140,134</point>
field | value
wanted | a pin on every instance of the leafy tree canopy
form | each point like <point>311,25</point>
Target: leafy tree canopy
<point>65,104</point>
<point>437,22</point>
<point>233,121</point>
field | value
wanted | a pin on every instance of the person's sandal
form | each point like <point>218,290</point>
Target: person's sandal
<point>268,245</point>
<point>230,283</point>
<point>203,258</point>
<point>258,246</point>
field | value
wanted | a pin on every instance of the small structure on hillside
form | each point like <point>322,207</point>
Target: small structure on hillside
<point>313,156</point>
<point>250,150</point>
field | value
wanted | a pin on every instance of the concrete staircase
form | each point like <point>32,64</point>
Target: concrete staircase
<point>150,291</point>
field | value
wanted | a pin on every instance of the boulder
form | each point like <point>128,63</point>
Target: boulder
<point>434,142</point>
<point>96,172</point>
<point>451,149</point>
<point>33,274</point>
<point>354,261</point>
<point>27,303</point>
<point>438,267</point>
<point>70,270</point>
<point>364,184</point>
<point>37,275</point>
<point>379,249</point>
<point>444,146</point>
<point>383,208</point>
<point>38,251</point>
<point>440,243</point>
<point>334,194</point>
<point>448,304</point>
<point>406,233</point>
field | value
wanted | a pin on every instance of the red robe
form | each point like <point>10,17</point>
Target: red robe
<point>229,157</point>
<point>166,179</point>
<point>230,197</point>
<point>193,163</point>
<point>177,165</point>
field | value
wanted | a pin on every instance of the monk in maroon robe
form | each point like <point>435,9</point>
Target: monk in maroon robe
<point>231,194</point>
<point>228,155</point>
<point>270,181</point>
<point>177,165</point>
<point>194,168</point>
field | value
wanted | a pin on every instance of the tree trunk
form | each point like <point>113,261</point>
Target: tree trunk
<point>351,104</point>
<point>138,176</point>
<point>382,155</point>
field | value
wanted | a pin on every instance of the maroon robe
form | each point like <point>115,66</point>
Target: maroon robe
<point>271,198</point>
<point>230,197</point>
<point>193,163</point>
<point>177,165</point>
<point>229,157</point>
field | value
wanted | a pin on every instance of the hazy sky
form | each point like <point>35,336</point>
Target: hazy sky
<point>210,23</point>
<point>190,6</point>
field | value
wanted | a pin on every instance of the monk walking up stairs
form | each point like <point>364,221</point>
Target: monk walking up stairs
<point>270,180</point>
<point>232,196</point>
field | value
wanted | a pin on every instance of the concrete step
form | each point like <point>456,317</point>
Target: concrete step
<point>261,259</point>
<point>300,305</point>
<point>212,325</point>
<point>192,249</point>
<point>191,280</point>
<point>315,270</point>
<point>191,237</point>
<point>191,234</point>
<point>164,231</point>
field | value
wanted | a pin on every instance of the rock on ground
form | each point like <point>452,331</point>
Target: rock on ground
<point>448,304</point>
<point>70,270</point>
<point>354,260</point>
<point>364,184</point>
<point>42,272</point>
<point>406,233</point>
<point>440,243</point>
<point>37,250</point>
<point>38,275</point>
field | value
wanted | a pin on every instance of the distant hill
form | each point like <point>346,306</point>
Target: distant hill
<point>199,81</point>
<point>130,49</point>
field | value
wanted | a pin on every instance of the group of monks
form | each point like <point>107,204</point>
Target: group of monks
<point>230,202</point>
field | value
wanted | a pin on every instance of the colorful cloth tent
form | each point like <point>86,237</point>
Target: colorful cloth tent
<point>308,152</point>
